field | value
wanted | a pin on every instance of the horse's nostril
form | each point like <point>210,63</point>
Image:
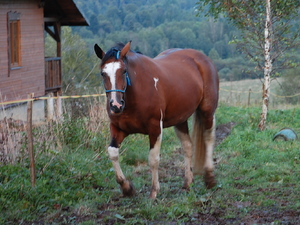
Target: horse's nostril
<point>117,106</point>
<point>115,109</point>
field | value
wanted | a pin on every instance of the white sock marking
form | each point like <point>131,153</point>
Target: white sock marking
<point>114,157</point>
<point>154,157</point>
<point>209,138</point>
<point>113,152</point>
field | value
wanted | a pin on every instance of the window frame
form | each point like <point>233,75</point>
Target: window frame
<point>14,40</point>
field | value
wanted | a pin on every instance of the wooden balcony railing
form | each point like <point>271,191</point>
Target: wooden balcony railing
<point>53,74</point>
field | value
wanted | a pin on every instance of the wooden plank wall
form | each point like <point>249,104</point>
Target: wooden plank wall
<point>30,77</point>
<point>53,73</point>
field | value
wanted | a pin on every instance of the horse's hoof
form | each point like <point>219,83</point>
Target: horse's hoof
<point>186,188</point>
<point>128,189</point>
<point>209,179</point>
<point>153,195</point>
<point>187,183</point>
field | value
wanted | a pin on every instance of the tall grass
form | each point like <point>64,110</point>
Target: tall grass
<point>83,122</point>
<point>12,139</point>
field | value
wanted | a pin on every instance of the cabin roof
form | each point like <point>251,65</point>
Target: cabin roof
<point>64,11</point>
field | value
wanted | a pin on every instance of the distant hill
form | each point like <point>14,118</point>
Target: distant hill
<point>157,25</point>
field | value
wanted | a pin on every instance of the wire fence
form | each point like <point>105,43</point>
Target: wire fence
<point>253,98</point>
<point>48,97</point>
<point>231,96</point>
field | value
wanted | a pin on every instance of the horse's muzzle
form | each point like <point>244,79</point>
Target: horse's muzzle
<point>116,106</point>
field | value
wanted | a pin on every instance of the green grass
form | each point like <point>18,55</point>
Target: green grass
<point>76,185</point>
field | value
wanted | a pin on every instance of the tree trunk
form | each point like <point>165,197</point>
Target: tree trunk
<point>267,68</point>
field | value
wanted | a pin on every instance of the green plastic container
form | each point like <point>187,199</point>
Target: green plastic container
<point>286,134</point>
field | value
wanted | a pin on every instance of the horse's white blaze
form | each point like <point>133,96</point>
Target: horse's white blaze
<point>110,69</point>
<point>155,82</point>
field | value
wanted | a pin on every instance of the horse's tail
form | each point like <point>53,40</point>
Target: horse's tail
<point>198,144</point>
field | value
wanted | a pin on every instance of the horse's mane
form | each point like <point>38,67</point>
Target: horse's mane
<point>114,50</point>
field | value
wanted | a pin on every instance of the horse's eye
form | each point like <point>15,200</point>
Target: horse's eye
<point>125,71</point>
<point>102,74</point>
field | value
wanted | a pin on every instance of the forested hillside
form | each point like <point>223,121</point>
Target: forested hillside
<point>156,25</point>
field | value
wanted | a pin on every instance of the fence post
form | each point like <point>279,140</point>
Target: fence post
<point>58,108</point>
<point>249,97</point>
<point>50,107</point>
<point>30,140</point>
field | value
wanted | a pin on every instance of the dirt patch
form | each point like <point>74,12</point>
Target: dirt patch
<point>222,131</point>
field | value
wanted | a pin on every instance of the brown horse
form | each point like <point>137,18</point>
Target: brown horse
<point>145,95</point>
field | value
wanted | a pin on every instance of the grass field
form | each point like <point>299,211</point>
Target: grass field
<point>249,93</point>
<point>258,179</point>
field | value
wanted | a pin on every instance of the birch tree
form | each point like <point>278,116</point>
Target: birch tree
<point>269,35</point>
<point>267,68</point>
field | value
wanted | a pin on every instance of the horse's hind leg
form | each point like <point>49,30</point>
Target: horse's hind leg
<point>186,143</point>
<point>203,143</point>
<point>209,140</point>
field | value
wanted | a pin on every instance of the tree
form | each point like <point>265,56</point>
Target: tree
<point>267,68</point>
<point>79,66</point>
<point>213,54</point>
<point>96,26</point>
<point>267,34</point>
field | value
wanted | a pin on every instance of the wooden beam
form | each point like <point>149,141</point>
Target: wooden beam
<point>56,34</point>
<point>51,19</point>
<point>51,33</point>
<point>57,28</point>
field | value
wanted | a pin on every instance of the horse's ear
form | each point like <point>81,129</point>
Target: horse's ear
<point>125,50</point>
<point>99,51</point>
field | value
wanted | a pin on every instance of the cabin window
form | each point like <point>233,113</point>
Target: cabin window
<point>14,39</point>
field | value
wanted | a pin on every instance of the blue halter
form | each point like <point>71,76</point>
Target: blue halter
<point>127,79</point>
<point>118,90</point>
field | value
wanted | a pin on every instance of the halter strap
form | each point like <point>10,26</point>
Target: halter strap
<point>118,55</point>
<point>118,90</point>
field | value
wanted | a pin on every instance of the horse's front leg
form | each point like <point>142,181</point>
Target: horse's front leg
<point>113,151</point>
<point>155,138</point>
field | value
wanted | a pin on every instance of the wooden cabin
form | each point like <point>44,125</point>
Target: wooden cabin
<point>23,66</point>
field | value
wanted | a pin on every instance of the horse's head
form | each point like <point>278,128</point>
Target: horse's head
<point>115,76</point>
